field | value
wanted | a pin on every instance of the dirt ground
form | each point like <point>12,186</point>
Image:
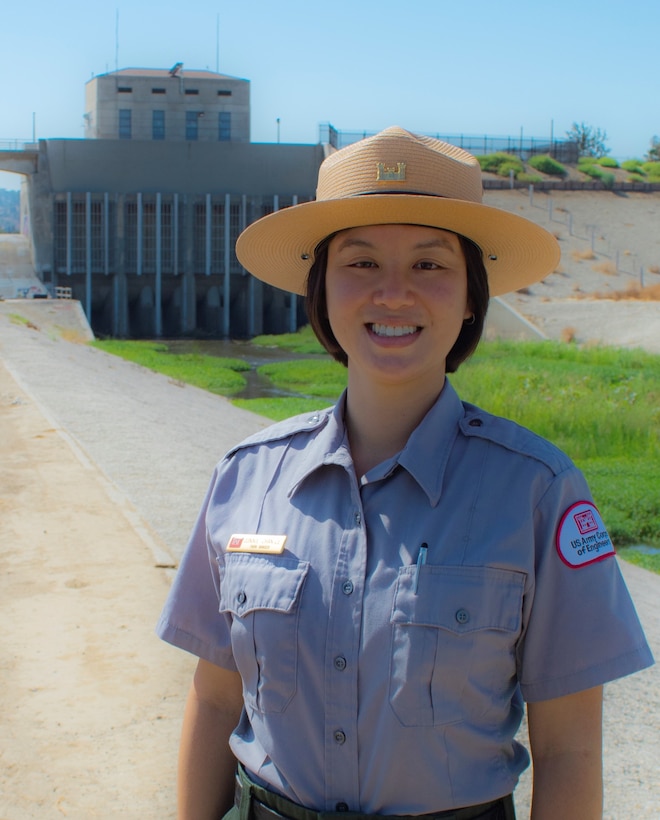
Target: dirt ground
<point>91,711</point>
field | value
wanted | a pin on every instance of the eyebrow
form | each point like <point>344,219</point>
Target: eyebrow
<point>356,242</point>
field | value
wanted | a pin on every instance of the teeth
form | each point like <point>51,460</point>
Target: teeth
<point>388,330</point>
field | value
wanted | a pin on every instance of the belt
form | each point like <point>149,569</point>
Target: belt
<point>265,805</point>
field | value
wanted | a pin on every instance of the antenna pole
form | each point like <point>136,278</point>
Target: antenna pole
<point>217,45</point>
<point>117,40</point>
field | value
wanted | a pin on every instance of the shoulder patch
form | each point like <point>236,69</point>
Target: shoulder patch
<point>582,537</point>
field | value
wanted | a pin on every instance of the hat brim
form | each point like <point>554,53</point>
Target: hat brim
<point>279,248</point>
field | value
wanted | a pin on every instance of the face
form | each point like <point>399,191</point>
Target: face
<point>397,298</point>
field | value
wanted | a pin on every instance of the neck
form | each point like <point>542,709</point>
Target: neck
<point>380,419</point>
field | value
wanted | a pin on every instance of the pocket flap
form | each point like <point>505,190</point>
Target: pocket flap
<point>252,582</point>
<point>459,599</point>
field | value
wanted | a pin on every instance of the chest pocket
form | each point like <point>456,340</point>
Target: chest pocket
<point>453,642</point>
<point>262,594</point>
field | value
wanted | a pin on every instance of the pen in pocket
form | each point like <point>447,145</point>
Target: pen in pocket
<point>421,559</point>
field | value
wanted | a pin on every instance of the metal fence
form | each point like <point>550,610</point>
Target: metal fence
<point>521,146</point>
<point>16,144</point>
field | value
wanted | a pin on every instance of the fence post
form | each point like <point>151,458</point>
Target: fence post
<point>511,178</point>
<point>531,194</point>
<point>641,276</point>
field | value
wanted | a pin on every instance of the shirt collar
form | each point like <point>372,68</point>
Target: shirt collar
<point>425,455</point>
<point>427,451</point>
<point>328,446</point>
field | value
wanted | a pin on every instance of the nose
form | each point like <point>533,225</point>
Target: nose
<point>393,288</point>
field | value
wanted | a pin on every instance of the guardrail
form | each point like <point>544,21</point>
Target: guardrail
<point>17,144</point>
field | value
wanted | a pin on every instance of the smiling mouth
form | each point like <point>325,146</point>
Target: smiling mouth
<point>390,330</point>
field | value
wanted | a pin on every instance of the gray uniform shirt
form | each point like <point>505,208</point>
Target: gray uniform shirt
<point>386,651</point>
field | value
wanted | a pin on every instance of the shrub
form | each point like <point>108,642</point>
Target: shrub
<point>608,162</point>
<point>547,165</point>
<point>653,170</point>
<point>595,172</point>
<point>586,162</point>
<point>531,178</point>
<point>634,166</point>
<point>510,165</point>
<point>492,163</point>
<point>590,170</point>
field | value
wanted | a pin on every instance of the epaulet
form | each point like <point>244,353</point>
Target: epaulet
<point>296,425</point>
<point>512,436</point>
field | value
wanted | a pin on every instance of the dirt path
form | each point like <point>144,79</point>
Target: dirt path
<point>91,702</point>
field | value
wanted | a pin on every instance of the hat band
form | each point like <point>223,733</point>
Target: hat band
<point>395,193</point>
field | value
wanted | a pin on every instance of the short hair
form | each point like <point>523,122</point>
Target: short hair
<point>478,295</point>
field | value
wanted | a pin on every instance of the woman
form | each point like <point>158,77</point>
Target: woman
<point>374,590</point>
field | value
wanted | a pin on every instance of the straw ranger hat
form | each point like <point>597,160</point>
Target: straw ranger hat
<point>398,177</point>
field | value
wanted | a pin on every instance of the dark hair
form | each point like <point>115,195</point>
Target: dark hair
<point>468,339</point>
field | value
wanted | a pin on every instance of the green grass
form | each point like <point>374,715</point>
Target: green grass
<point>641,559</point>
<point>222,376</point>
<point>17,319</point>
<point>601,405</point>
<point>304,341</point>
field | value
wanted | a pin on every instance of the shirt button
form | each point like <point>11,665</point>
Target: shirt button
<point>340,663</point>
<point>462,616</point>
<point>347,587</point>
<point>241,597</point>
<point>341,807</point>
<point>340,737</point>
<point>358,519</point>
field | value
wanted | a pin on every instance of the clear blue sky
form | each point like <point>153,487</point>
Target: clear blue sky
<point>427,65</point>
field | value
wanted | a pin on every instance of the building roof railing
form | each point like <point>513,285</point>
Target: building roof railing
<point>479,144</point>
<point>17,144</point>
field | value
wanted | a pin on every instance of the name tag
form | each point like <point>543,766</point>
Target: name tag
<point>268,544</point>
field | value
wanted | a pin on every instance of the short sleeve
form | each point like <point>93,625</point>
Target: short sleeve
<point>581,628</point>
<point>191,619</point>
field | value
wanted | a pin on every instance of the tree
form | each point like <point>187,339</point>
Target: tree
<point>653,154</point>
<point>590,140</point>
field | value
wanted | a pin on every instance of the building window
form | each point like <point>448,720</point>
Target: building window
<point>191,91</point>
<point>158,125</point>
<point>124,89</point>
<point>224,126</point>
<point>124,123</point>
<point>192,124</point>
<point>224,93</point>
<point>158,91</point>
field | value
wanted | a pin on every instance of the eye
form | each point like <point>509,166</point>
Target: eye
<point>362,263</point>
<point>427,264</point>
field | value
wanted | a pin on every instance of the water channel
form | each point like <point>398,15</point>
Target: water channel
<point>257,386</point>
